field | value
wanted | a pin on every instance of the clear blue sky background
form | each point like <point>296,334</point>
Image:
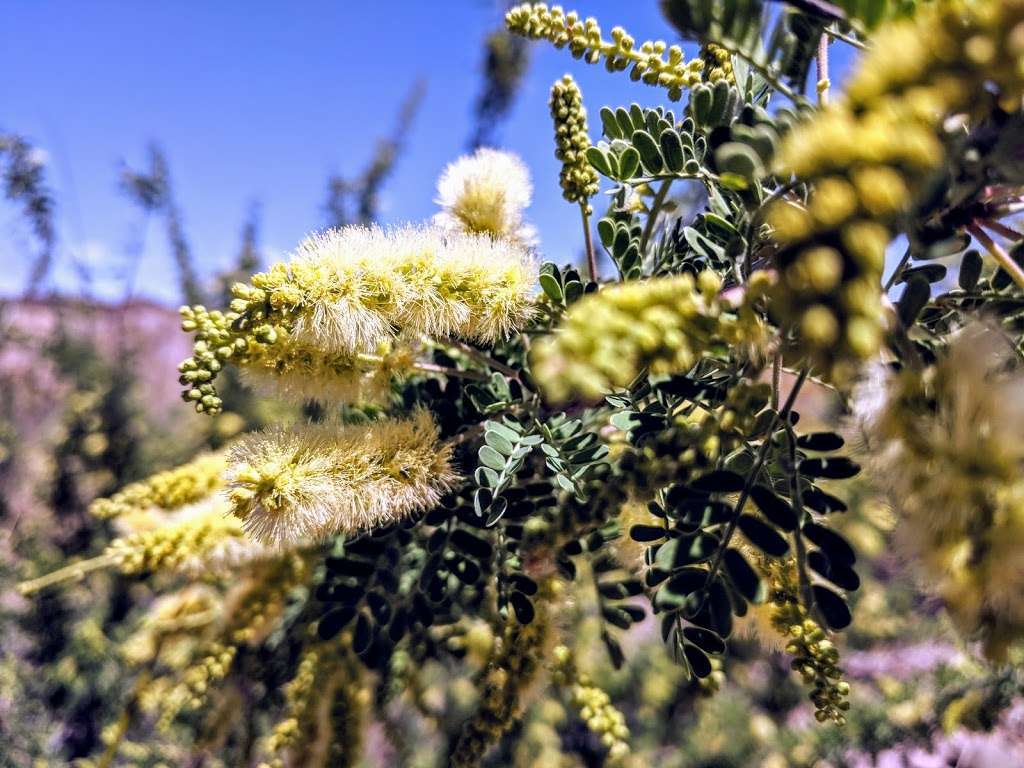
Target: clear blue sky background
<point>260,102</point>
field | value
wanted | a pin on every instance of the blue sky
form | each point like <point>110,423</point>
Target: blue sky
<point>259,102</point>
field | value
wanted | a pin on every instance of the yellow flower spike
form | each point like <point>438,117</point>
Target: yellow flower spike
<point>609,337</point>
<point>309,483</point>
<point>578,178</point>
<point>166,490</point>
<point>352,291</point>
<point>884,138</point>
<point>592,704</point>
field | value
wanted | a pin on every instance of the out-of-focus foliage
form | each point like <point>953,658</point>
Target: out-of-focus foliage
<point>613,520</point>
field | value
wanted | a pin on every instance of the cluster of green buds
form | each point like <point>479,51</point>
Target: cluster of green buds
<point>166,490</point>
<point>815,657</point>
<point>217,340</point>
<point>696,442</point>
<point>868,157</point>
<point>514,663</point>
<point>717,64</point>
<point>663,325</point>
<point>578,178</point>
<point>653,62</point>
<point>593,705</point>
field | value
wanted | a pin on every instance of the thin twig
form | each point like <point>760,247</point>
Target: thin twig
<point>762,455</point>
<point>456,372</point>
<point>896,272</point>
<point>588,240</point>
<point>1000,255</point>
<point>652,216</point>
<point>776,379</point>
<point>484,359</point>
<point>796,498</point>
<point>837,35</point>
<point>1000,228</point>
<point>74,572</point>
<point>822,61</point>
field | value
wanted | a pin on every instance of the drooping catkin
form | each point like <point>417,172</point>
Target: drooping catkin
<point>355,290</point>
<point>512,668</point>
<point>593,705</point>
<point>311,482</point>
<point>167,490</point>
<point>250,612</point>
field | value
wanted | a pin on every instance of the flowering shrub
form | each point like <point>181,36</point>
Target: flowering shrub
<point>489,454</point>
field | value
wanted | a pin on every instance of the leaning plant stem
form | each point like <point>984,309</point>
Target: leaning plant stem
<point>1000,255</point>
<point>427,368</point>
<point>588,241</point>
<point>762,455</point>
<point>74,572</point>
<point>837,35</point>
<point>1002,229</point>
<point>127,715</point>
<point>896,272</point>
<point>822,62</point>
<point>797,499</point>
<point>484,359</point>
<point>652,217</point>
<point>776,379</point>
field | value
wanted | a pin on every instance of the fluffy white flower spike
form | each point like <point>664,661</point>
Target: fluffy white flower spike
<point>486,193</point>
<point>353,289</point>
<point>308,483</point>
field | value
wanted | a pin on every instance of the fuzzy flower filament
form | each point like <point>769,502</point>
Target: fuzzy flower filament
<point>309,483</point>
<point>948,446</point>
<point>486,193</point>
<point>355,290</point>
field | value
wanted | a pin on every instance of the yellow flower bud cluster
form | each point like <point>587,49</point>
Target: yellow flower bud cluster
<point>319,701</point>
<point>663,325</point>
<point>175,547</point>
<point>166,490</point>
<point>250,612</point>
<point>868,157</point>
<point>647,63</point>
<point>352,292</point>
<point>696,442</point>
<point>578,178</point>
<point>593,705</point>
<point>815,657</point>
<point>717,64</point>
<point>169,629</point>
<point>292,485</point>
<point>948,446</point>
<point>514,664</point>
<point>296,372</point>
